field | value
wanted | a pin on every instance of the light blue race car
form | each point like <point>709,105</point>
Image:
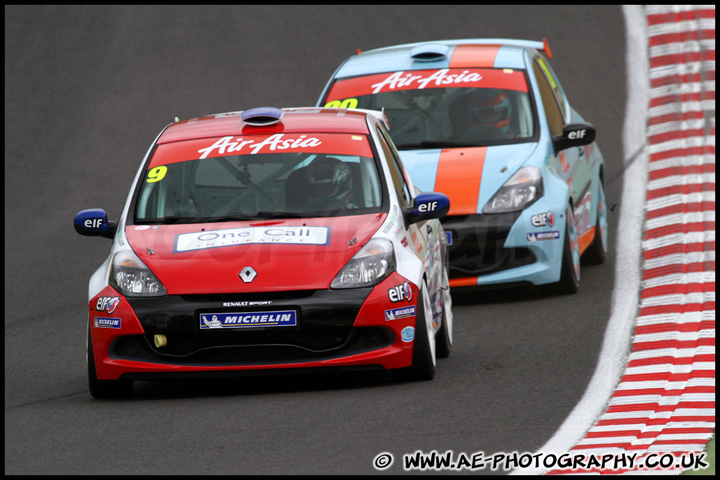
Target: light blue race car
<point>486,122</point>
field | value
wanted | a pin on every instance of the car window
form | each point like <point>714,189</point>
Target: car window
<point>554,84</point>
<point>553,113</point>
<point>397,172</point>
<point>205,180</point>
<point>448,107</point>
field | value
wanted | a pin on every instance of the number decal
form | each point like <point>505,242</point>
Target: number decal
<point>347,103</point>
<point>156,174</point>
<point>548,74</point>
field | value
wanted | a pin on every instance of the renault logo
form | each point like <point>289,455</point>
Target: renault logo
<point>247,274</point>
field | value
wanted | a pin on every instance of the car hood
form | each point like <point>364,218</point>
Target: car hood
<point>298,254</point>
<point>468,176</point>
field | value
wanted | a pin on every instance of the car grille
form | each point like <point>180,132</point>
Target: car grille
<point>227,349</point>
<point>325,329</point>
<point>477,246</point>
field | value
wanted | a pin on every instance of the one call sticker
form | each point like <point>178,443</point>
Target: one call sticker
<point>186,242</point>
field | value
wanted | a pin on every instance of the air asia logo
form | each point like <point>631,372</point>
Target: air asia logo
<point>275,142</point>
<point>107,304</point>
<point>437,79</point>
<point>398,293</point>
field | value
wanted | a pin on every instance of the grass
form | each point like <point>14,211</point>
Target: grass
<point>709,459</point>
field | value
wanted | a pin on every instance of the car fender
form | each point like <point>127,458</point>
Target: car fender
<point>533,230</point>
<point>99,279</point>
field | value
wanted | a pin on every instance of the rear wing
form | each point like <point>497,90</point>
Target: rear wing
<point>378,114</point>
<point>542,46</point>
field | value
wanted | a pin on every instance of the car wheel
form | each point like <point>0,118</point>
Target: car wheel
<point>424,359</point>
<point>444,336</point>
<point>104,388</point>
<point>570,270</point>
<point>596,252</point>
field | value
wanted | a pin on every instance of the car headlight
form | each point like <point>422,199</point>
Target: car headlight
<point>522,189</point>
<point>131,277</point>
<point>372,263</point>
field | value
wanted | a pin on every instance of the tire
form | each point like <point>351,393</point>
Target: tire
<point>597,251</point>
<point>444,337</point>
<point>424,359</point>
<point>570,270</point>
<point>104,388</point>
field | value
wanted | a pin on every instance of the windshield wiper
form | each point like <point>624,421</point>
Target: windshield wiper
<point>229,218</point>
<point>187,219</point>
<point>262,215</point>
<point>434,144</point>
<point>268,214</point>
<point>178,219</point>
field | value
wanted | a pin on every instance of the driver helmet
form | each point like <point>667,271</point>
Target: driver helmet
<point>330,178</point>
<point>490,107</point>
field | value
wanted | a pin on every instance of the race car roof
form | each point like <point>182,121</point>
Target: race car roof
<point>489,53</point>
<point>301,120</point>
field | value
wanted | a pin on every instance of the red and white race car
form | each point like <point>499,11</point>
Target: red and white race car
<point>269,239</point>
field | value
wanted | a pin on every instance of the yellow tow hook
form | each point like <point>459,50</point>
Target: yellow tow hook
<point>160,340</point>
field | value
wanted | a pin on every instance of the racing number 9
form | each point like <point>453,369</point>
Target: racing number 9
<point>156,174</point>
<point>347,103</point>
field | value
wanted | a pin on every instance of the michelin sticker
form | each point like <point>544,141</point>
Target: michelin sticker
<point>398,313</point>
<point>186,242</point>
<point>286,318</point>
<point>107,322</point>
<point>534,237</point>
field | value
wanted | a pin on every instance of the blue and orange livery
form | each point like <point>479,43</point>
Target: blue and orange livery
<point>487,122</point>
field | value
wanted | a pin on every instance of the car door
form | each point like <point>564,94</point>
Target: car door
<point>423,238</point>
<point>570,163</point>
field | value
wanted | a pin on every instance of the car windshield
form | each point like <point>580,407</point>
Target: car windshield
<point>444,108</point>
<point>263,177</point>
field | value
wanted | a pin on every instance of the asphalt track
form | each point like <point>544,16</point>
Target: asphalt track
<point>661,412</point>
<point>87,89</point>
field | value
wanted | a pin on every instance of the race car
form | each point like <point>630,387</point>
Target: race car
<point>487,122</point>
<point>269,240</point>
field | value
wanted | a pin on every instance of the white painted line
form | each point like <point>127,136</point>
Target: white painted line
<point>613,355</point>
<point>653,397</point>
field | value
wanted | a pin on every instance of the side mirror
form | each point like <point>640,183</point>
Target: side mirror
<point>429,205</point>
<point>574,135</point>
<point>94,223</point>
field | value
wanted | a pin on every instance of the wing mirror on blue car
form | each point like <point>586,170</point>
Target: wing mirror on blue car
<point>574,135</point>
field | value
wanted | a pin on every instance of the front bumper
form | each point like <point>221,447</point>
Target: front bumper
<point>336,328</point>
<point>501,249</point>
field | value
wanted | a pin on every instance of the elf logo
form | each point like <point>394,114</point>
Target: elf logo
<point>427,207</point>
<point>546,219</point>
<point>107,304</point>
<point>398,293</point>
<point>92,223</point>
